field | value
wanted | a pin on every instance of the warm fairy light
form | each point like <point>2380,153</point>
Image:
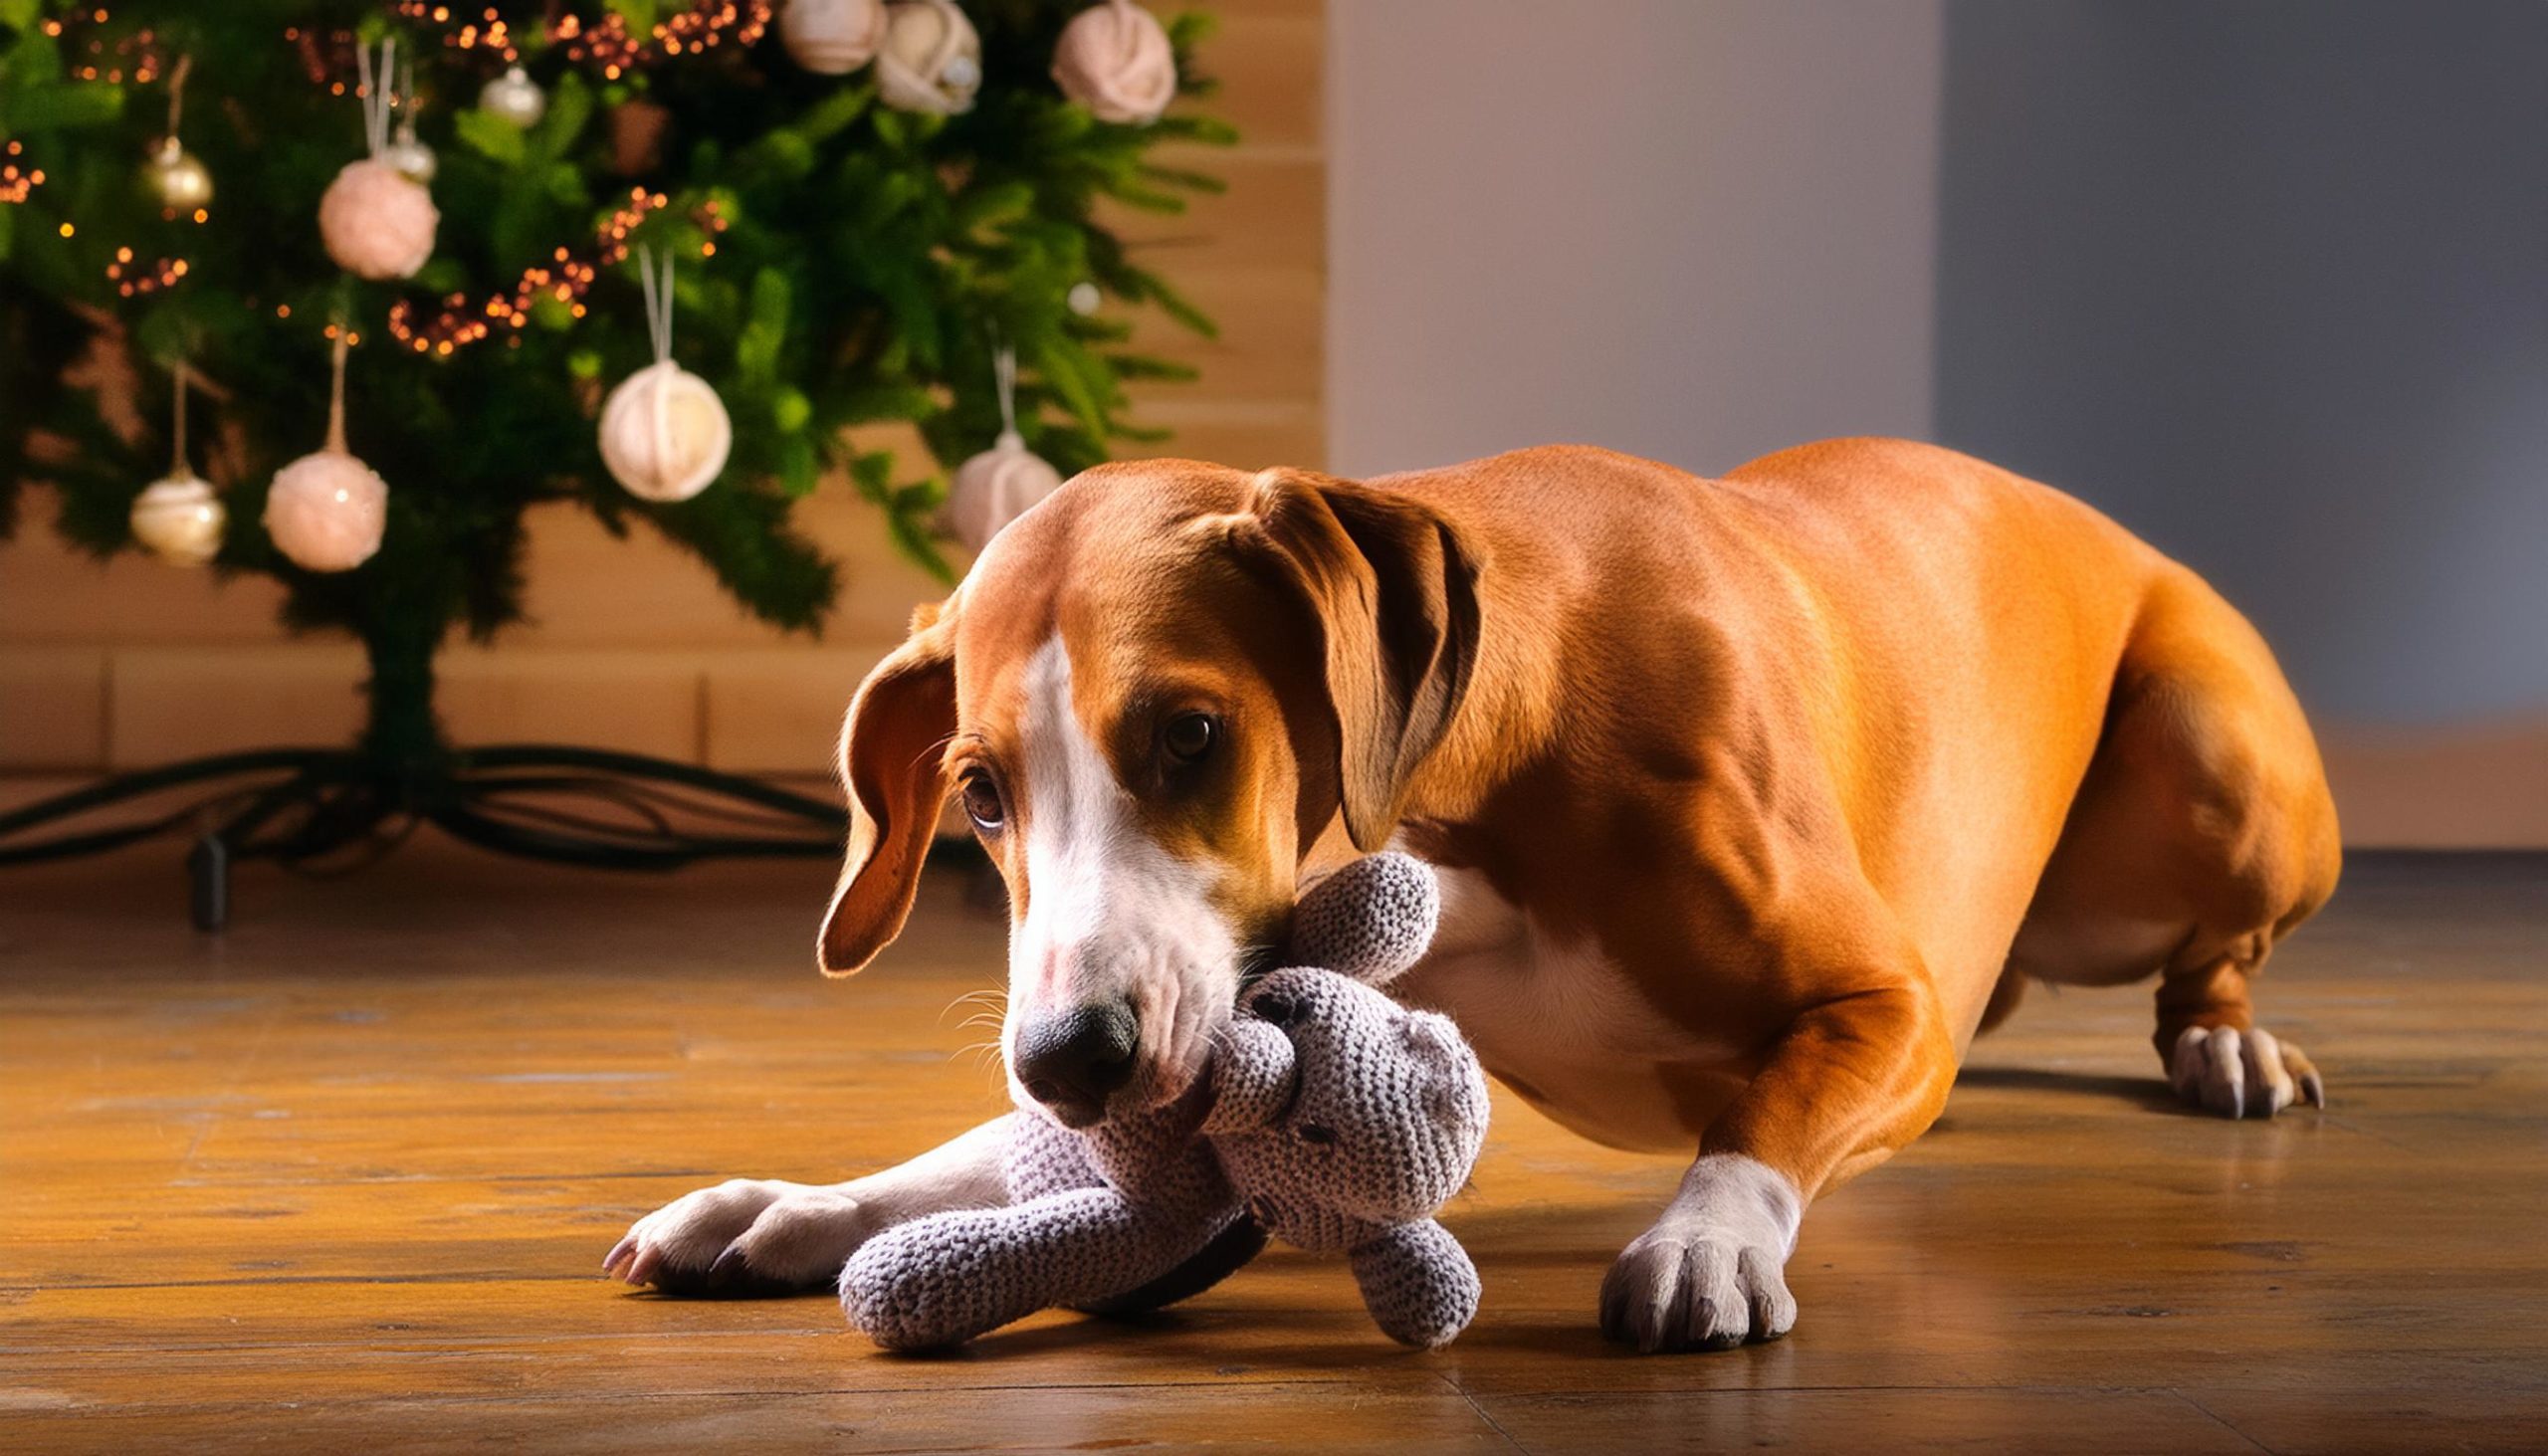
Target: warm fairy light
<point>164,273</point>
<point>565,279</point>
<point>283,311</point>
<point>606,44</point>
<point>202,215</point>
<point>68,230</point>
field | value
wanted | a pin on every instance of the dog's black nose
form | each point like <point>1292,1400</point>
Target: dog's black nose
<point>1072,1060</point>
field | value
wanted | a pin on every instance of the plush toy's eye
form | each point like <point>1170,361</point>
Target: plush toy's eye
<point>1313,1133</point>
<point>1189,735</point>
<point>1274,1009</point>
<point>981,802</point>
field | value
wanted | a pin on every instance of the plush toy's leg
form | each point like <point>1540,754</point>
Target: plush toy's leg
<point>1241,1240</point>
<point>943,1280</point>
<point>1417,1282</point>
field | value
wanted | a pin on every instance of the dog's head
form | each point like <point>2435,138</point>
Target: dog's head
<point>1154,693</point>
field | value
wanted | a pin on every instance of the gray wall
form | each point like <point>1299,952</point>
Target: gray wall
<point>2268,281</point>
<point>2265,279</point>
<point>1696,231</point>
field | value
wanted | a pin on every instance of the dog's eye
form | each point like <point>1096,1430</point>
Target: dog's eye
<point>981,802</point>
<point>1189,735</point>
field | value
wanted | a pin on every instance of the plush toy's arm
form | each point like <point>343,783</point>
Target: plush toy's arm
<point>1251,1076</point>
<point>1371,919</point>
<point>942,1280</point>
<point>1417,1282</point>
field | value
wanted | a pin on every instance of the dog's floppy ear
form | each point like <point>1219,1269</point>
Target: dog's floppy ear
<point>1395,596</point>
<point>891,765</point>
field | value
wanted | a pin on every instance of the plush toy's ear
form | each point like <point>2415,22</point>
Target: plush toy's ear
<point>1252,1072</point>
<point>1394,597</point>
<point>889,763</point>
<point>1371,920</point>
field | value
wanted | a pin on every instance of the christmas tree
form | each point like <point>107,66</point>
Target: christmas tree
<point>859,207</point>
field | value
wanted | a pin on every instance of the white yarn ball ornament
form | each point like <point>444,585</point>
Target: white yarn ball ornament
<point>327,511</point>
<point>514,97</point>
<point>179,519</point>
<point>832,37</point>
<point>996,488</point>
<point>377,222</point>
<point>932,60</point>
<point>1115,59</point>
<point>664,433</point>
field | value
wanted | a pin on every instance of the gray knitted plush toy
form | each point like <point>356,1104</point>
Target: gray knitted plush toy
<point>1337,1117</point>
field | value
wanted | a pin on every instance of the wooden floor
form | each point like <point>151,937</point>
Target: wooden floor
<point>344,1177</point>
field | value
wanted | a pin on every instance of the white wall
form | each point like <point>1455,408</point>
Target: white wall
<point>1696,230</point>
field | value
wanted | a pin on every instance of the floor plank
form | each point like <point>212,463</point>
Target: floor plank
<point>342,1177</point>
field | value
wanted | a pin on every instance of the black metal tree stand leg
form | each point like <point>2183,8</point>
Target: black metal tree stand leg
<point>325,810</point>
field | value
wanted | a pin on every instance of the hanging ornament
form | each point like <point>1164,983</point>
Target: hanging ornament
<point>326,510</point>
<point>175,177</point>
<point>1114,59</point>
<point>932,60</point>
<point>832,37</point>
<point>664,431</point>
<point>514,97</point>
<point>178,516</point>
<point>998,486</point>
<point>406,151</point>
<point>376,221</point>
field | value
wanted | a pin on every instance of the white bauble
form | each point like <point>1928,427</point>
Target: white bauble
<point>408,154</point>
<point>664,433</point>
<point>996,488</point>
<point>832,37</point>
<point>1115,59</point>
<point>179,519</point>
<point>178,179</point>
<point>327,511</point>
<point>514,97</point>
<point>932,60</point>
<point>376,221</point>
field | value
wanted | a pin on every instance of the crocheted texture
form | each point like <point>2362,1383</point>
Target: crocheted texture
<point>1340,1119</point>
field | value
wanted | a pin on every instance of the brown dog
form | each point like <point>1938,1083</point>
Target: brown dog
<point>1754,799</point>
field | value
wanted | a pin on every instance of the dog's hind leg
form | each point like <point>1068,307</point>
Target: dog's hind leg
<point>2201,835</point>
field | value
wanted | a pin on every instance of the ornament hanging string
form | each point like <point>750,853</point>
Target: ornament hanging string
<point>336,398</point>
<point>177,431</point>
<point>375,98</point>
<point>659,300</point>
<point>177,91</point>
<point>1004,380</point>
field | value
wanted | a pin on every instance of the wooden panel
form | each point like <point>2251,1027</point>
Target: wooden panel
<point>172,702</point>
<point>53,706</point>
<point>2474,785</point>
<point>344,1174</point>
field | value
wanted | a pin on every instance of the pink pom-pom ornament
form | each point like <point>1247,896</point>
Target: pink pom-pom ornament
<point>377,221</point>
<point>1115,59</point>
<point>327,511</point>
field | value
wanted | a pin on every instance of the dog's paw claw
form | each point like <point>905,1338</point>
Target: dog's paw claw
<point>2240,1074</point>
<point>741,1237</point>
<point>1697,1292</point>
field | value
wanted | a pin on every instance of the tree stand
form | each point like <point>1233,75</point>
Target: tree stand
<point>336,809</point>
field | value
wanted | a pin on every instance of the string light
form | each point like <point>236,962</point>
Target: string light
<point>564,279</point>
<point>17,182</point>
<point>608,44</point>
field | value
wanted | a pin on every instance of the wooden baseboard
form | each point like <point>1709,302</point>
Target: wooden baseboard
<point>776,710</point>
<point>2480,785</point>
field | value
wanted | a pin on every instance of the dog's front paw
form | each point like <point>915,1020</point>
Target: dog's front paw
<point>2242,1073</point>
<point>745,1236</point>
<point>1709,1274</point>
